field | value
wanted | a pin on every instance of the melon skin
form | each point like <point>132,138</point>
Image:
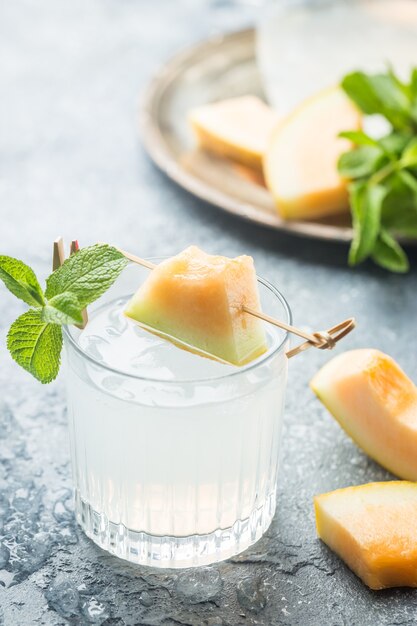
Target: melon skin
<point>300,164</point>
<point>237,128</point>
<point>376,404</point>
<point>195,300</point>
<point>373,529</point>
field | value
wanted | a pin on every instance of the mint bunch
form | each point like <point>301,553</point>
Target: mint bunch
<point>35,338</point>
<point>383,172</point>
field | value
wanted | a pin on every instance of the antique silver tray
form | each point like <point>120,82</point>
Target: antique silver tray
<point>217,68</point>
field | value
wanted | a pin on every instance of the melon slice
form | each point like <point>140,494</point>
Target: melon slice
<point>373,529</point>
<point>196,299</point>
<point>239,128</point>
<point>376,404</point>
<point>300,164</point>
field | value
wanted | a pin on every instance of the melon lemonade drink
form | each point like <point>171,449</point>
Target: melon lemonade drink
<point>174,454</point>
<point>175,394</point>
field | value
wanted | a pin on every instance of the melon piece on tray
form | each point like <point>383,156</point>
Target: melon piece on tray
<point>300,164</point>
<point>373,529</point>
<point>239,128</point>
<point>196,300</point>
<point>376,404</point>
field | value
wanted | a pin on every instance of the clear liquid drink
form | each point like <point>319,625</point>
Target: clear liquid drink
<point>174,455</point>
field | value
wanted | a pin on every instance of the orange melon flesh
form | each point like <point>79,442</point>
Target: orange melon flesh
<point>238,128</point>
<point>300,164</point>
<point>376,404</point>
<point>373,529</point>
<point>196,299</point>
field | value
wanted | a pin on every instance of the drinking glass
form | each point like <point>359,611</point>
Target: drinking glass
<point>175,473</point>
<point>304,46</point>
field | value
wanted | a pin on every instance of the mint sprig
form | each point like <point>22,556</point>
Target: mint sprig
<point>382,171</point>
<point>65,308</point>
<point>20,279</point>
<point>36,345</point>
<point>35,338</point>
<point>87,274</point>
<point>366,214</point>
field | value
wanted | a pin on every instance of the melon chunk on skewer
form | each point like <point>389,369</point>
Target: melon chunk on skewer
<point>196,299</point>
<point>238,128</point>
<point>376,404</point>
<point>373,529</point>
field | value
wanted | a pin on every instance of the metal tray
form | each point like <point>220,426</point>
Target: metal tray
<point>217,68</point>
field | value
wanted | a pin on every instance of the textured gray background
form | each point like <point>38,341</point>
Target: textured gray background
<point>71,164</point>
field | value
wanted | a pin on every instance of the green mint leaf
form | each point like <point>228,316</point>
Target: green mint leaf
<point>359,138</point>
<point>410,182</point>
<point>380,94</point>
<point>405,224</point>
<point>399,208</point>
<point>409,156</point>
<point>391,145</point>
<point>87,274</point>
<point>403,87</point>
<point>36,345</point>
<point>400,199</point>
<point>394,143</point>
<point>388,253</point>
<point>358,86</point>
<point>63,309</point>
<point>362,161</point>
<point>413,82</point>
<point>20,279</point>
<point>413,91</point>
<point>394,104</point>
<point>366,203</point>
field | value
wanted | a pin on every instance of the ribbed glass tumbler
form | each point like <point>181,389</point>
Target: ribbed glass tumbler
<point>175,473</point>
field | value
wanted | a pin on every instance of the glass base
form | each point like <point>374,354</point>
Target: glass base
<point>173,552</point>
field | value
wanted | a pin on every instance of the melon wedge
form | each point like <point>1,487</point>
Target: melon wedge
<point>196,299</point>
<point>376,404</point>
<point>373,529</point>
<point>239,128</point>
<point>300,164</point>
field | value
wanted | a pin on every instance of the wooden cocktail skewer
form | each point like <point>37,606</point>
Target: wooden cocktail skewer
<point>74,248</point>
<point>324,340</point>
<point>59,253</point>
<point>59,258</point>
<point>138,260</point>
